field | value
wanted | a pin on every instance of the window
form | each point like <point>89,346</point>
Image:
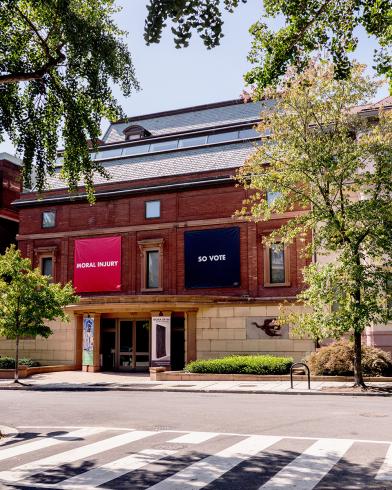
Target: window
<point>48,219</point>
<point>164,145</point>
<point>219,137</point>
<point>45,260</point>
<point>136,150</point>
<point>194,141</point>
<point>152,269</point>
<point>151,264</point>
<point>249,133</point>
<point>47,266</point>
<point>153,209</point>
<point>276,266</point>
<point>101,155</point>
<point>271,196</point>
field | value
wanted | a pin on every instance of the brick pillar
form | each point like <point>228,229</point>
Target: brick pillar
<point>190,326</point>
<point>78,349</point>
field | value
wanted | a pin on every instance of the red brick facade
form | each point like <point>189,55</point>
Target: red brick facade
<point>10,189</point>
<point>181,211</point>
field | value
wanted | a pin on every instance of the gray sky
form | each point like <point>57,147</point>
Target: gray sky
<point>172,78</point>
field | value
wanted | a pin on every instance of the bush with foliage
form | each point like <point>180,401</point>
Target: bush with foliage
<point>242,365</point>
<point>9,363</point>
<point>337,359</point>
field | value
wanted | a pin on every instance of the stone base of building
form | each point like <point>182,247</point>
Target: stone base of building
<point>379,336</point>
<point>201,329</point>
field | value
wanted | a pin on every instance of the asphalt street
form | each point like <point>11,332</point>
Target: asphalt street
<point>165,441</point>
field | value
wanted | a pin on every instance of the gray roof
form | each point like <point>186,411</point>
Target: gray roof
<point>203,159</point>
<point>189,120</point>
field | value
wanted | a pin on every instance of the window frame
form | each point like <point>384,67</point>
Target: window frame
<point>151,245</point>
<point>145,209</point>
<point>52,211</point>
<point>42,253</point>
<point>270,203</point>
<point>267,268</point>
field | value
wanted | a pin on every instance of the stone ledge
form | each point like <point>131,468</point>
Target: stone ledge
<point>182,376</point>
<point>25,371</point>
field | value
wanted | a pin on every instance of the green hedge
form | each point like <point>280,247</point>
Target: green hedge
<point>242,365</point>
<point>9,363</point>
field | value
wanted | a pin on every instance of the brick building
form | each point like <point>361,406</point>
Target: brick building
<point>163,269</point>
<point>10,189</point>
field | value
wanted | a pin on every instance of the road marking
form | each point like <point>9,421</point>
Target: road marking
<point>203,472</point>
<point>42,465</point>
<point>114,469</point>
<point>311,466</point>
<point>35,445</point>
<point>194,437</point>
<point>385,472</point>
<point>311,438</point>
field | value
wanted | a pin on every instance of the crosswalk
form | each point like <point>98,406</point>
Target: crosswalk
<point>83,458</point>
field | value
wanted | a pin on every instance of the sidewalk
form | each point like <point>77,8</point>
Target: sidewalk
<point>82,381</point>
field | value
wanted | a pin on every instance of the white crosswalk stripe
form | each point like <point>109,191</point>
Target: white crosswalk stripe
<point>308,469</point>
<point>13,451</point>
<point>114,469</point>
<point>199,474</point>
<point>385,472</point>
<point>194,437</point>
<point>39,466</point>
<point>219,458</point>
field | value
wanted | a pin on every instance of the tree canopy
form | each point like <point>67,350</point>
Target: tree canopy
<point>308,26</point>
<point>60,59</point>
<point>57,62</point>
<point>331,165</point>
<point>28,299</point>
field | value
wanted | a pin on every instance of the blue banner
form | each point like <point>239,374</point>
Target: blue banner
<point>212,258</point>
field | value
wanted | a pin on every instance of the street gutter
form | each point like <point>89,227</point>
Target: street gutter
<point>84,388</point>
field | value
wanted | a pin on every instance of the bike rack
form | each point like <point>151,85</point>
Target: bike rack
<point>297,364</point>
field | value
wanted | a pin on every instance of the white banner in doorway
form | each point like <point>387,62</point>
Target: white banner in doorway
<point>160,341</point>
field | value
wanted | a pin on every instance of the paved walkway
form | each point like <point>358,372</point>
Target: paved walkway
<point>78,380</point>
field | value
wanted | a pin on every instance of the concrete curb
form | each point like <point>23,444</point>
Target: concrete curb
<point>7,432</point>
<point>84,388</point>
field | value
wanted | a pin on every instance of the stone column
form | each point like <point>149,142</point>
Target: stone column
<point>78,348</point>
<point>190,327</point>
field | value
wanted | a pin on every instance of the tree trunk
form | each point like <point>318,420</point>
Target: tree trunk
<point>358,377</point>
<point>16,377</point>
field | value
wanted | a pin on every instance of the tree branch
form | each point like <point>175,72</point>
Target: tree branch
<point>45,68</point>
<point>32,75</point>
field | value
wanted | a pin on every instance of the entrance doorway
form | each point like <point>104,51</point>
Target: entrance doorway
<point>125,344</point>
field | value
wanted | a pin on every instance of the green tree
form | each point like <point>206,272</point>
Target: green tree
<point>58,59</point>
<point>308,26</point>
<point>332,166</point>
<point>28,299</point>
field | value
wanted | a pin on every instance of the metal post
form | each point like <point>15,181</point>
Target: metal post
<point>297,364</point>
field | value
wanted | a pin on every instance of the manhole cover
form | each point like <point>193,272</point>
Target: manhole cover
<point>183,386</point>
<point>248,386</point>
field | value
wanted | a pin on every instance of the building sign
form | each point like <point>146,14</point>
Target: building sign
<point>212,258</point>
<point>97,264</point>
<point>88,341</point>
<point>160,341</point>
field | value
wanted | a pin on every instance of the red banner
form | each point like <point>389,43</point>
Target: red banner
<point>97,264</point>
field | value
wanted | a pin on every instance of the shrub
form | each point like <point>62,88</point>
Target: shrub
<point>337,359</point>
<point>242,365</point>
<point>28,362</point>
<point>9,363</point>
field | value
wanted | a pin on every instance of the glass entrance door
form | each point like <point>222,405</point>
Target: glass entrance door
<point>133,344</point>
<point>125,345</point>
